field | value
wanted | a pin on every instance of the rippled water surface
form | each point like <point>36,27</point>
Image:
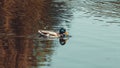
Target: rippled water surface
<point>95,43</point>
<point>94,26</point>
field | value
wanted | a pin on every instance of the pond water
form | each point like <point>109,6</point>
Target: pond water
<point>94,26</point>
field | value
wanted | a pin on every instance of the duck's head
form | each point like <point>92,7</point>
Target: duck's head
<point>63,32</point>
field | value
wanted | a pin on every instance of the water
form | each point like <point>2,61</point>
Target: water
<point>94,26</point>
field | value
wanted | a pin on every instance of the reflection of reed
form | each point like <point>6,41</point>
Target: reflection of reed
<point>20,18</point>
<point>43,50</point>
<point>60,13</point>
<point>23,13</point>
<point>15,55</point>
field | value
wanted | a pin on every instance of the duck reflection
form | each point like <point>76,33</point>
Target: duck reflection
<point>62,41</point>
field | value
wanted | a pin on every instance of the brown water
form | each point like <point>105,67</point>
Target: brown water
<point>19,21</point>
<point>94,26</point>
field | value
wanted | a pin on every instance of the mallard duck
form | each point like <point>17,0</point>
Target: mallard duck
<point>46,33</point>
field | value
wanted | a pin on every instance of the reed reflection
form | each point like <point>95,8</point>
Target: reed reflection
<point>19,19</point>
<point>43,51</point>
<point>15,52</point>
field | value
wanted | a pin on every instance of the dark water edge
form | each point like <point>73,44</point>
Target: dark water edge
<point>19,19</point>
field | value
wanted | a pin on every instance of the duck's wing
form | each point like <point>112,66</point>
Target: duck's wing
<point>51,33</point>
<point>39,31</point>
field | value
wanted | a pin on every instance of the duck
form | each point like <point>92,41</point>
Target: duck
<point>46,33</point>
